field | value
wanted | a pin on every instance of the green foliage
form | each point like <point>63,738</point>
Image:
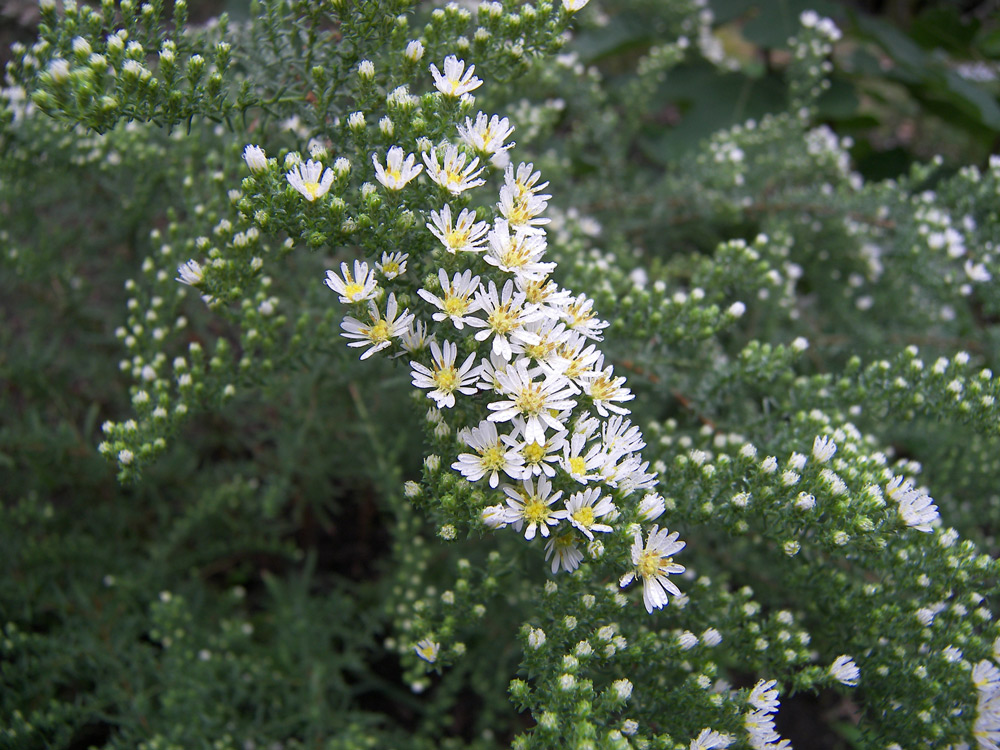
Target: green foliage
<point>296,551</point>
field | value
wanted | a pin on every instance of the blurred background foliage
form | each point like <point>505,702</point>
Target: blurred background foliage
<point>166,613</point>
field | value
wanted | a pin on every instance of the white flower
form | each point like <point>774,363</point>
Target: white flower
<point>531,399</point>
<point>414,51</point>
<point>522,210</point>
<point>518,254</point>
<point>531,504</point>
<point>414,338</point>
<point>823,448</point>
<point>255,158</point>
<point>427,650</point>
<point>761,732</point>
<point>190,273</point>
<point>563,551</point>
<point>494,453</point>
<point>454,176</point>
<point>465,235</point>
<point>709,739</point>
<point>572,6</point>
<point>486,135</point>
<point>398,170</point>
<point>579,316</point>
<point>622,688</point>
<point>454,304</point>
<point>353,287</point>
<point>377,334</point>
<point>654,562</point>
<point>306,179</point>
<point>711,637</point>
<point>764,696</point>
<point>578,465</point>
<point>445,378</point>
<point>495,516</point>
<point>986,677</point>
<point>845,671</point>
<point>604,389</point>
<point>454,82</point>
<point>582,513</point>
<point>651,507</point>
<point>536,638</point>
<point>538,457</point>
<point>392,264</point>
<point>916,507</point>
<point>505,317</point>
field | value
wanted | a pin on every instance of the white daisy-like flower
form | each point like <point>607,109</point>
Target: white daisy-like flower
<point>495,516</point>
<point>486,136</point>
<point>533,400</point>
<point>399,169</point>
<point>519,254</point>
<point>493,453</point>
<point>454,304</point>
<point>539,458</point>
<point>845,671</point>
<point>392,264</point>
<point>764,696</point>
<point>579,316</point>
<point>605,389</point>
<point>709,739</point>
<point>255,158</point>
<point>456,80</point>
<point>427,650</point>
<point>523,210</point>
<point>578,464</point>
<point>307,179</point>
<point>357,286</point>
<point>549,334</point>
<point>986,677</point>
<point>543,295</point>
<point>761,732</point>
<point>379,332</point>
<point>564,552</point>
<point>190,273</point>
<point>524,179</point>
<point>582,512</point>
<point>466,235</point>
<point>453,175</point>
<point>653,563</point>
<point>414,339</point>
<point>572,6</point>
<point>916,507</point>
<point>823,448</point>
<point>578,357</point>
<point>505,317</point>
<point>651,507</point>
<point>531,504</point>
<point>488,369</point>
<point>445,378</point>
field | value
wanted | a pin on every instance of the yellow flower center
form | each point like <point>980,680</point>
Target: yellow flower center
<point>536,511</point>
<point>494,458</point>
<point>457,237</point>
<point>313,189</point>
<point>391,267</point>
<point>353,289</point>
<point>584,516</point>
<point>533,453</point>
<point>650,564</point>
<point>502,320</point>
<point>455,305</point>
<point>577,465</point>
<point>514,255</point>
<point>519,213</point>
<point>530,401</point>
<point>601,389</point>
<point>379,331</point>
<point>577,316</point>
<point>446,379</point>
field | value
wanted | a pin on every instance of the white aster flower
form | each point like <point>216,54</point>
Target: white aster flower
<point>493,453</point>
<point>605,389</point>
<point>379,332</point>
<point>845,671</point>
<point>539,458</point>
<point>453,175</point>
<point>505,317</point>
<point>392,264</point>
<point>523,209</point>
<point>582,512</point>
<point>353,287</point>
<point>414,338</point>
<point>399,169</point>
<point>445,378</point>
<point>524,180</point>
<point>427,650</point>
<point>709,739</point>
<point>764,696</point>
<point>761,732</point>
<point>456,79</point>
<point>578,464</point>
<point>465,235</point>
<point>916,507</point>
<point>255,158</point>
<point>579,316</point>
<point>531,504</point>
<point>544,296</point>
<point>190,273</point>
<point>486,136</point>
<point>495,516</point>
<point>307,180</point>
<point>533,400</point>
<point>572,6</point>
<point>653,563</point>
<point>651,507</point>
<point>564,553</point>
<point>454,304</point>
<point>823,448</point>
<point>518,254</point>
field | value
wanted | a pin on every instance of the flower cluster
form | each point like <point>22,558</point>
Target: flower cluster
<point>553,426</point>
